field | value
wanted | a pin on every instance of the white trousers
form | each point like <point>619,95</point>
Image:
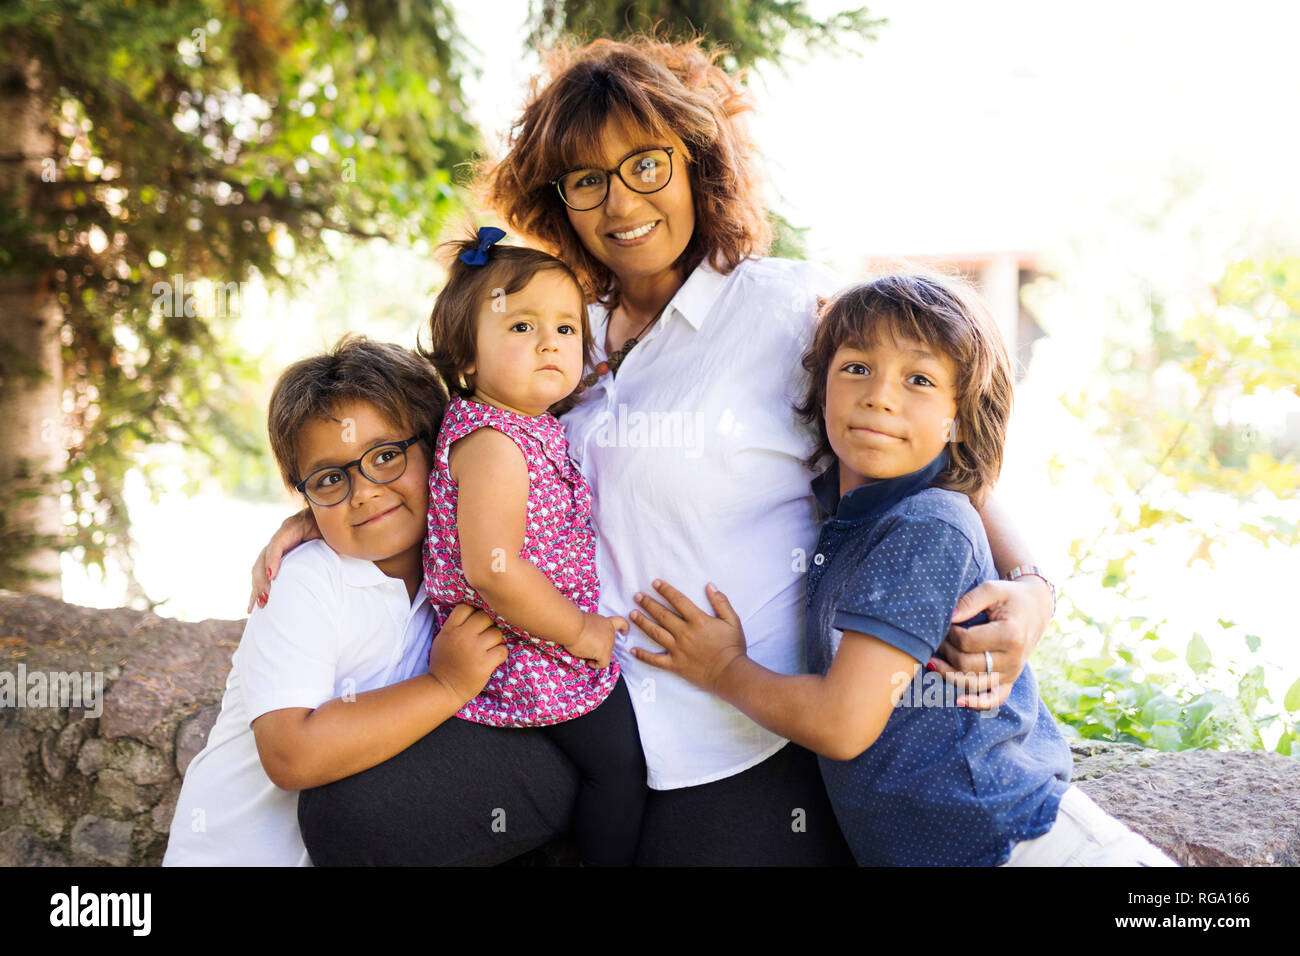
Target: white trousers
<point>1086,835</point>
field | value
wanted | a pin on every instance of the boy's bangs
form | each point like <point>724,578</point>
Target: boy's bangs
<point>867,328</point>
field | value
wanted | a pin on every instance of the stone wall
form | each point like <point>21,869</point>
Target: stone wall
<point>81,789</point>
<point>86,790</point>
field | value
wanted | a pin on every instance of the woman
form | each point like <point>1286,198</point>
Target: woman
<point>631,165</point>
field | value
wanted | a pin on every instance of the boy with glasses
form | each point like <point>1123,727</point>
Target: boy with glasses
<point>336,675</point>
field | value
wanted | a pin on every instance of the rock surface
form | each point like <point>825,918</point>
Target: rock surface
<point>1202,807</point>
<point>84,788</point>
<point>95,784</point>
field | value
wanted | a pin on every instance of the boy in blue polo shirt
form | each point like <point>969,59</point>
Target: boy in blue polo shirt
<point>910,389</point>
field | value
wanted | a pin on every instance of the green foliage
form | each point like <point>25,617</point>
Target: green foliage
<point>1121,695</point>
<point>752,31</point>
<point>788,240</point>
<point>217,142</point>
<point>1177,447</point>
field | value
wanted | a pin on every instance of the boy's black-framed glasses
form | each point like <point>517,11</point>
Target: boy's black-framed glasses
<point>643,171</point>
<point>385,462</point>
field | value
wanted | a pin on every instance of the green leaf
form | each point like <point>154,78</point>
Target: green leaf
<point>1291,701</point>
<point>1167,736</point>
<point>1164,655</point>
<point>1252,641</point>
<point>1115,572</point>
<point>1198,654</point>
<point>1119,673</point>
<point>1251,689</point>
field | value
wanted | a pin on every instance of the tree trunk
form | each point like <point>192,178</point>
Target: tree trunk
<point>32,449</point>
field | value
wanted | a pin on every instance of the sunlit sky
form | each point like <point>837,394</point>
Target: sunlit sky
<point>966,127</point>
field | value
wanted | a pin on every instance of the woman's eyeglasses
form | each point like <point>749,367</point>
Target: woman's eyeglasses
<point>383,463</point>
<point>645,171</point>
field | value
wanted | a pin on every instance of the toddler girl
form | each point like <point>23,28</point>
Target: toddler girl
<point>510,524</point>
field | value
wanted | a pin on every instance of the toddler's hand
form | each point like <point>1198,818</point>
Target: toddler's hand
<point>466,652</point>
<point>596,641</point>
<point>295,530</point>
<point>697,646</point>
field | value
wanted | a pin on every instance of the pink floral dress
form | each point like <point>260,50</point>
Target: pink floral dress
<point>540,683</point>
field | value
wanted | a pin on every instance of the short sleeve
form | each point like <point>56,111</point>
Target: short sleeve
<point>904,589</point>
<point>289,654</point>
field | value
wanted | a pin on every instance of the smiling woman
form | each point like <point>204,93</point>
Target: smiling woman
<point>605,103</point>
<point>638,234</point>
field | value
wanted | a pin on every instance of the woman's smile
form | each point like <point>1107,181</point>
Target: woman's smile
<point>634,236</point>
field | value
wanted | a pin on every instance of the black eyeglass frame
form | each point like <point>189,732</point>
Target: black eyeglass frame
<point>301,487</point>
<point>616,171</point>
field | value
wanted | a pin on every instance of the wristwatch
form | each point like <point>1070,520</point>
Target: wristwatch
<point>1032,570</point>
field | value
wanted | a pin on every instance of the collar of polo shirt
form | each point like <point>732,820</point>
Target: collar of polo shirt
<point>363,574</point>
<point>875,496</point>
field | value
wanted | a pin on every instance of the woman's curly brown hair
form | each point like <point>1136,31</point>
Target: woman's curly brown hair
<point>644,84</point>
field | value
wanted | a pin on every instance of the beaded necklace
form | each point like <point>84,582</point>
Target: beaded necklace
<point>616,357</point>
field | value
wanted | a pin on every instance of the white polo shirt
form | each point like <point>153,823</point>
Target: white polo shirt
<point>694,454</point>
<point>334,626</point>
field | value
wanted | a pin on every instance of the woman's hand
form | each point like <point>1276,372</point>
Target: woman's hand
<point>1019,612</point>
<point>595,642</point>
<point>697,646</point>
<point>466,652</point>
<point>301,527</point>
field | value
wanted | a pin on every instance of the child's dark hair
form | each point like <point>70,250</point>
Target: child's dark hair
<point>925,309</point>
<point>453,324</point>
<point>399,383</point>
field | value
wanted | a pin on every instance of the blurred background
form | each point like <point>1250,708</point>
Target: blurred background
<point>195,193</point>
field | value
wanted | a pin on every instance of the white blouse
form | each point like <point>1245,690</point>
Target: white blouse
<point>695,457</point>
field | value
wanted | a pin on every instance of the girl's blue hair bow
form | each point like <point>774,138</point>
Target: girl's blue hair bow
<point>487,236</point>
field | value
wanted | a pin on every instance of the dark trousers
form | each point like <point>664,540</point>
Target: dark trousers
<point>468,794</point>
<point>605,747</point>
<point>773,814</point>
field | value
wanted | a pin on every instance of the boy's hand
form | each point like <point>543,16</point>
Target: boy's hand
<point>466,652</point>
<point>697,646</point>
<point>595,642</point>
<point>295,530</point>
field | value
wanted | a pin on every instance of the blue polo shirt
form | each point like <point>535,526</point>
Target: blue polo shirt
<point>943,785</point>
